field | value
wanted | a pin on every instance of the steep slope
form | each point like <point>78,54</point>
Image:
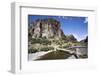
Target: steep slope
<point>45,28</point>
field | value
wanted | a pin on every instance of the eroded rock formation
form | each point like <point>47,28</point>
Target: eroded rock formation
<point>45,28</point>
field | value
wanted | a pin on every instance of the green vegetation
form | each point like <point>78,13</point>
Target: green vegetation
<point>40,41</point>
<point>46,48</point>
<point>32,50</point>
<point>47,44</point>
<point>66,46</point>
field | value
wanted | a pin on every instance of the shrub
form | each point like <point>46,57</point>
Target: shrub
<point>65,46</point>
<point>35,41</point>
<point>46,48</point>
<point>45,42</point>
<point>32,50</point>
<point>41,41</point>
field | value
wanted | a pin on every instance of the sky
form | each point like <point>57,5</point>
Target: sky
<point>78,26</point>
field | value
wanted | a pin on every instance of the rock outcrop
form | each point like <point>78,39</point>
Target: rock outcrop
<point>45,28</point>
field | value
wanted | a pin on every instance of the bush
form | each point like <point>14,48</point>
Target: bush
<point>44,49</point>
<point>32,50</point>
<point>41,41</point>
<point>33,41</point>
<point>51,48</point>
<point>45,42</point>
<point>65,46</point>
<point>47,48</point>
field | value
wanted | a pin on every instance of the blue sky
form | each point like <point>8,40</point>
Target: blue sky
<point>78,26</point>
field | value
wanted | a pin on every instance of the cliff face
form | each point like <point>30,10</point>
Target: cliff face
<point>45,28</point>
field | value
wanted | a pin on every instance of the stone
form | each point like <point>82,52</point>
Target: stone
<point>46,28</point>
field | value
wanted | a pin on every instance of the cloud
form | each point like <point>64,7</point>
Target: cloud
<point>86,20</point>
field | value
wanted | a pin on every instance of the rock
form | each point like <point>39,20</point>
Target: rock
<point>45,28</point>
<point>72,57</point>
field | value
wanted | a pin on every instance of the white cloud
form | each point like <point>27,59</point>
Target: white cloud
<point>86,20</point>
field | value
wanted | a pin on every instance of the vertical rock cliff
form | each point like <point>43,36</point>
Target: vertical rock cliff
<point>45,28</point>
